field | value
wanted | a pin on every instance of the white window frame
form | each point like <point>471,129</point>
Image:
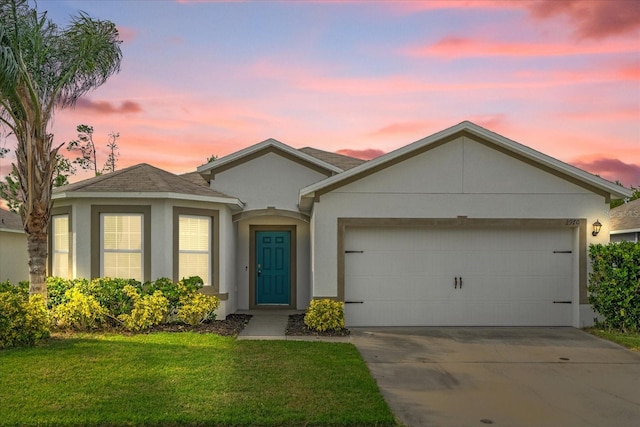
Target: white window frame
<point>127,251</point>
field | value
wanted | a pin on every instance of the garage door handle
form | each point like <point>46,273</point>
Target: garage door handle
<point>455,281</point>
<point>460,282</point>
<point>354,302</point>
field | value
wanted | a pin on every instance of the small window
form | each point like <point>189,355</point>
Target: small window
<point>121,245</point>
<point>60,246</point>
<point>194,247</point>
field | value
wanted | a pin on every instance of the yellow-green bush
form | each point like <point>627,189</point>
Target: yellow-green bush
<point>23,320</point>
<point>325,315</point>
<point>148,310</point>
<point>79,311</point>
<point>198,308</point>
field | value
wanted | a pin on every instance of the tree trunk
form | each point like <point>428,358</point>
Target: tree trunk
<point>37,247</point>
<point>36,163</point>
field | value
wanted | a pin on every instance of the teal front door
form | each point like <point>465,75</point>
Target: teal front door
<point>273,267</point>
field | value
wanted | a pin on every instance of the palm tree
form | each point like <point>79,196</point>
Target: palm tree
<point>43,67</point>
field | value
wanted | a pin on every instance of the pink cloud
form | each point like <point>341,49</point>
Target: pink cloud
<point>462,47</point>
<point>621,115</point>
<point>403,128</point>
<point>592,19</point>
<point>364,153</point>
<point>612,169</point>
<point>127,34</point>
<point>105,107</point>
<point>494,122</point>
<point>631,72</point>
<point>422,5</point>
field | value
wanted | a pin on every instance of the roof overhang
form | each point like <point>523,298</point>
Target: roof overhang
<point>631,230</point>
<point>233,203</point>
<point>270,212</point>
<point>312,193</point>
<point>11,230</point>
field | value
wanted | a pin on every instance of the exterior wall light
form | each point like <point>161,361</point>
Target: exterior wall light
<point>596,228</point>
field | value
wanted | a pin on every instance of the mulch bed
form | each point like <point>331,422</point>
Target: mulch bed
<point>235,323</point>
<point>230,327</point>
<point>296,327</point>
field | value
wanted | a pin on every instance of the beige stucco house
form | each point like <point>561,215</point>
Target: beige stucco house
<point>13,248</point>
<point>464,227</point>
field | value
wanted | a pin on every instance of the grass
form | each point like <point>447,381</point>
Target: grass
<point>629,340</point>
<point>176,379</point>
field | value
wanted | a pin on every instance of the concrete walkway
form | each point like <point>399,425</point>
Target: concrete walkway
<point>271,325</point>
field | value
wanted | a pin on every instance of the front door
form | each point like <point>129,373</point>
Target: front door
<point>273,267</point>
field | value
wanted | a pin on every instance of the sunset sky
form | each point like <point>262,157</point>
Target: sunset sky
<point>364,78</point>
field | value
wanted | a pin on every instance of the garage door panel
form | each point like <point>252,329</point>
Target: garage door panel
<point>509,277</point>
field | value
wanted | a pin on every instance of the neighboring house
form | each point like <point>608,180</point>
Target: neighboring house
<point>464,227</point>
<point>625,222</point>
<point>14,258</point>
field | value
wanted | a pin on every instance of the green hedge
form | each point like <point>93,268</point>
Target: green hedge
<point>614,285</point>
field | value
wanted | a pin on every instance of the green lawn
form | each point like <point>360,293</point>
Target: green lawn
<point>629,340</point>
<point>187,379</point>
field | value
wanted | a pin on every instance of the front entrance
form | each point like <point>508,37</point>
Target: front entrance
<point>272,267</point>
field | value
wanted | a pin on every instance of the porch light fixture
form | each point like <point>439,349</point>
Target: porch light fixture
<point>596,228</point>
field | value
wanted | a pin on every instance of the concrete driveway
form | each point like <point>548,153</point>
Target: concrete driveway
<point>502,376</point>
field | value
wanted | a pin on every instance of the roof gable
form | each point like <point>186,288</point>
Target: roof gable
<point>268,146</point>
<point>546,163</point>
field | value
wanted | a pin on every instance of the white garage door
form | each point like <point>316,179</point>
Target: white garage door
<point>458,277</point>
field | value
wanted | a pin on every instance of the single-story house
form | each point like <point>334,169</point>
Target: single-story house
<point>625,222</point>
<point>463,227</point>
<point>14,259</point>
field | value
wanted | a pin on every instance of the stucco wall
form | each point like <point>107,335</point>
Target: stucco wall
<point>161,240</point>
<point>269,180</point>
<point>460,178</point>
<point>13,256</point>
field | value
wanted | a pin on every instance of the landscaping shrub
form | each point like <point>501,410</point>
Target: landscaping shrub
<point>148,310</point>
<point>325,315</point>
<point>198,308</point>
<point>82,304</point>
<point>110,293</point>
<point>23,319</point>
<point>175,293</point>
<point>614,284</point>
<point>57,288</point>
<point>79,311</point>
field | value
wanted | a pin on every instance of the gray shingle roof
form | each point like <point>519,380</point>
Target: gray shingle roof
<point>339,160</point>
<point>626,217</point>
<point>142,178</point>
<point>10,220</point>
